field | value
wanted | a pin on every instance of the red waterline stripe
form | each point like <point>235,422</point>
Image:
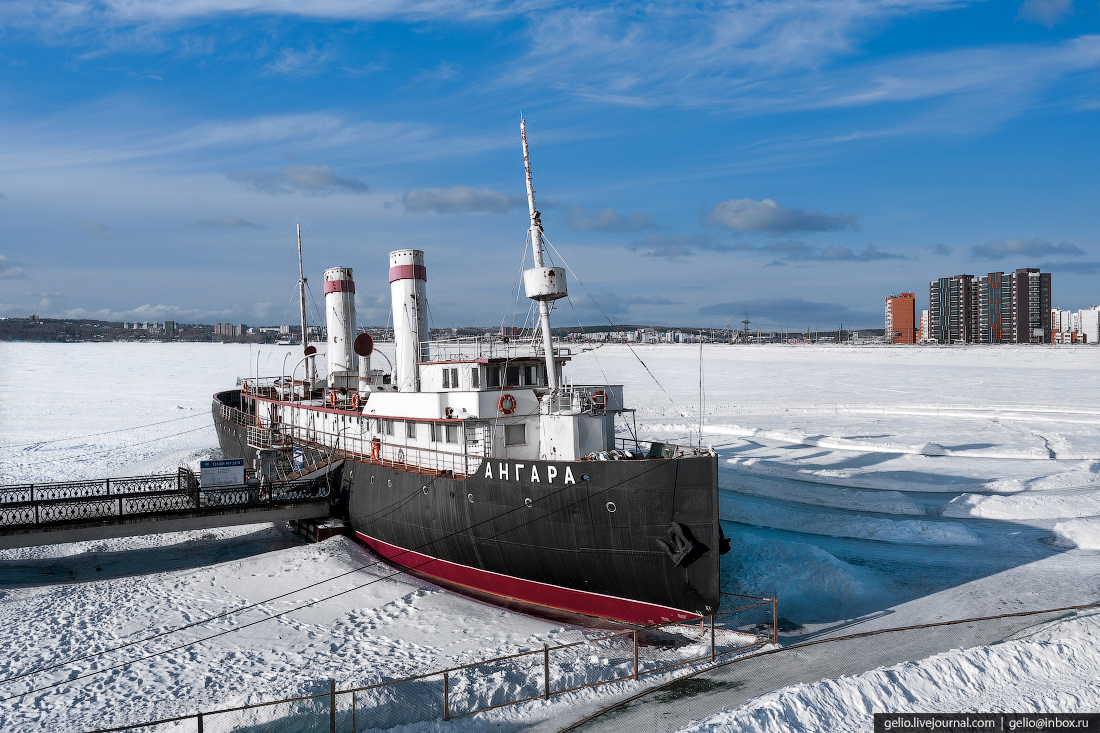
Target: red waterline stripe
<point>529,591</point>
<point>339,286</point>
<point>408,272</point>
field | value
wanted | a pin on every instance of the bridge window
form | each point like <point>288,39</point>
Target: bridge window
<point>515,434</point>
<point>492,376</point>
<point>387,426</point>
<point>446,379</point>
<point>531,375</point>
<point>410,429</point>
<point>512,376</point>
<point>475,377</point>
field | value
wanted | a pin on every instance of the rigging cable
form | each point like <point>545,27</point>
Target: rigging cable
<point>609,321</point>
<point>105,432</point>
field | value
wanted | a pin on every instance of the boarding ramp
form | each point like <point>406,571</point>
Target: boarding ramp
<point>77,511</point>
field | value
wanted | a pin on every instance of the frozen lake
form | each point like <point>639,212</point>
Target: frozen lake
<point>866,486</point>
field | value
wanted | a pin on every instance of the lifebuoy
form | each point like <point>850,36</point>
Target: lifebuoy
<point>506,404</point>
<point>332,397</point>
<point>355,401</point>
<point>375,449</point>
<point>244,386</point>
<point>599,398</point>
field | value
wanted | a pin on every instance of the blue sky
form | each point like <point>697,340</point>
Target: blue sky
<point>801,160</point>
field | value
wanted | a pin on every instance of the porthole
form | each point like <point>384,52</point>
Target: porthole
<point>611,507</point>
<point>372,479</point>
<point>528,502</point>
<point>452,494</point>
<point>585,477</point>
<point>425,491</point>
<point>470,497</point>
<point>389,482</point>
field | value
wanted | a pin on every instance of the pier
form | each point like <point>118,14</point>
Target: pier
<point>77,511</point>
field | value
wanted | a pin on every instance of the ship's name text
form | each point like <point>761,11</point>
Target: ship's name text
<point>515,471</point>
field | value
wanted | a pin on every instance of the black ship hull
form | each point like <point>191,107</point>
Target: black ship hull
<point>636,541</point>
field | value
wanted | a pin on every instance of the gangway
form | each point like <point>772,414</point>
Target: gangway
<point>76,511</point>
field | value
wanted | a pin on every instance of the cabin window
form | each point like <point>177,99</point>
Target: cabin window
<point>410,429</point>
<point>454,377</point>
<point>446,379</point>
<point>475,380</point>
<point>512,377</point>
<point>443,433</point>
<point>515,434</point>
<point>387,426</point>
<point>532,375</point>
<point>492,376</point>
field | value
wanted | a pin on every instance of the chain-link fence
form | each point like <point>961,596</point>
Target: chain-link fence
<point>597,657</point>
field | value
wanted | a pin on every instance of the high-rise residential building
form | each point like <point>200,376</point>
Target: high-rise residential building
<point>1089,324</point>
<point>901,326</point>
<point>1031,302</point>
<point>925,326</point>
<point>952,304</point>
<point>996,308</point>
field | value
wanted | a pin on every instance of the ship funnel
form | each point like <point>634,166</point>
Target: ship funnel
<point>340,318</point>
<point>408,280</point>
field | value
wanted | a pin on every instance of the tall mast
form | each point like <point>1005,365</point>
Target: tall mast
<point>536,248</point>
<point>302,292</point>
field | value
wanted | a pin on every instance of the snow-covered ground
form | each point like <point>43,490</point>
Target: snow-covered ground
<point>869,487</point>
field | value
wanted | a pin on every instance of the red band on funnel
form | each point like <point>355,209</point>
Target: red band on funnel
<point>408,272</point>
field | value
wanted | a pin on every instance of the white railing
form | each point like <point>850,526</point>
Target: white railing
<point>479,347</point>
<point>263,433</point>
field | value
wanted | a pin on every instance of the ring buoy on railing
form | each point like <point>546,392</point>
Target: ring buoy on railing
<point>375,449</point>
<point>244,386</point>
<point>355,401</point>
<point>332,397</point>
<point>506,404</point>
<point>599,399</point>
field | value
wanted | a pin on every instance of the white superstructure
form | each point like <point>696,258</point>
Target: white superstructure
<point>447,405</point>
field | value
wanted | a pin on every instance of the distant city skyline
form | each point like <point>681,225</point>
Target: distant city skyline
<point>797,160</point>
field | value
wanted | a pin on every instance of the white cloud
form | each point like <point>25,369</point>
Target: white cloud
<point>747,215</point>
<point>314,180</point>
<point>458,200</point>
<point>10,270</point>
<point>299,63</point>
<point>227,222</point>
<point>606,220</point>
<point>1045,12</point>
<point>1003,248</point>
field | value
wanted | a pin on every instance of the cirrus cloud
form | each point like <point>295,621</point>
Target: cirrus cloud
<point>768,216</point>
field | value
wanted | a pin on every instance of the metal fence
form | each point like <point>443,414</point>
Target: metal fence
<point>25,506</point>
<point>737,681</point>
<point>601,658</point>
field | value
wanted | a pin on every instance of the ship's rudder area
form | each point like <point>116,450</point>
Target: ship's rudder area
<point>645,530</point>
